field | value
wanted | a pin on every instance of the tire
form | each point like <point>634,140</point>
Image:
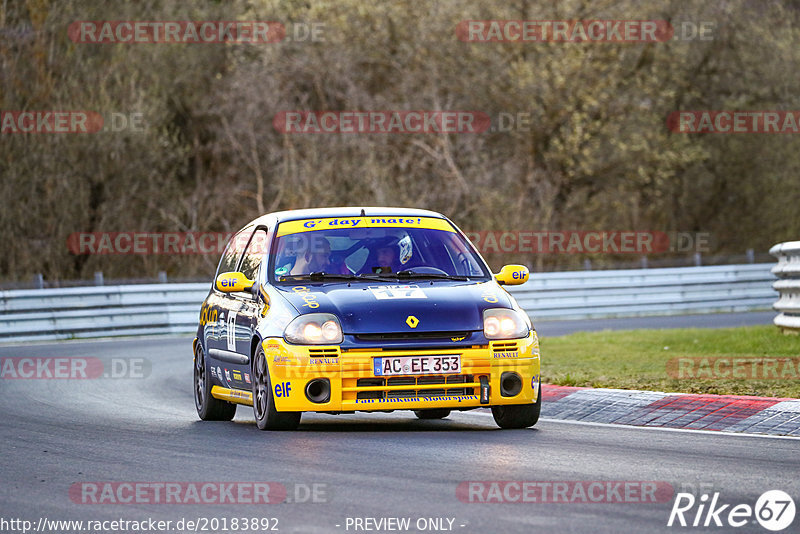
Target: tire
<point>518,415</point>
<point>267,418</point>
<point>208,408</point>
<point>435,413</point>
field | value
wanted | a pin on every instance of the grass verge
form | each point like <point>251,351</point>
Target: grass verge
<point>752,360</point>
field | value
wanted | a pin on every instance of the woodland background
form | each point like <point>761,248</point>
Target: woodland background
<point>598,154</point>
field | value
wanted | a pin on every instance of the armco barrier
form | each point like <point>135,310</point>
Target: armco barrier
<point>85,312</point>
<point>640,292</point>
<point>788,271</point>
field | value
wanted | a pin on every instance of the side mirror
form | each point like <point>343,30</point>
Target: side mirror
<point>233,282</point>
<point>512,275</point>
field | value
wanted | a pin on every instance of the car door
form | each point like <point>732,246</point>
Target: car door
<point>220,334</point>
<point>244,311</point>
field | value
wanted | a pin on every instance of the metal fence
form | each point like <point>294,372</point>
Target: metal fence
<point>147,309</point>
<point>788,271</point>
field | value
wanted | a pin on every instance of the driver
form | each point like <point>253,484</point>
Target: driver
<point>392,253</point>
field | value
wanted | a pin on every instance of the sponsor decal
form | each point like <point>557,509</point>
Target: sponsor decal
<point>237,375</point>
<point>247,378</point>
<point>508,354</point>
<point>281,359</point>
<point>412,321</point>
<point>310,225</point>
<point>214,372</point>
<point>283,389</point>
<point>397,292</point>
<point>323,361</point>
<point>451,398</point>
<point>227,375</point>
<point>309,299</point>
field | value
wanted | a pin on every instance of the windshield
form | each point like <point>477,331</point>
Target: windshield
<point>372,246</point>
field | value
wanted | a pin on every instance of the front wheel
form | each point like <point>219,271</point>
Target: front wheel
<point>267,417</point>
<point>208,408</point>
<point>518,415</point>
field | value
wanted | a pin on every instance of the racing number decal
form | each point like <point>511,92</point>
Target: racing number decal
<point>397,292</point>
<point>231,333</point>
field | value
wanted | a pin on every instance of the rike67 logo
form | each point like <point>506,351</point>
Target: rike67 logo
<point>774,510</point>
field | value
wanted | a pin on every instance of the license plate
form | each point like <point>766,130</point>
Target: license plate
<point>417,365</point>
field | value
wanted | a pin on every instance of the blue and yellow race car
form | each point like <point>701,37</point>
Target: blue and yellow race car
<point>362,309</point>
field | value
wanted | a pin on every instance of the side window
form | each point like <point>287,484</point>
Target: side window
<point>254,253</point>
<point>233,252</point>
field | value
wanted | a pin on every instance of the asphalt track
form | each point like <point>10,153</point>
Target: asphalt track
<point>56,433</point>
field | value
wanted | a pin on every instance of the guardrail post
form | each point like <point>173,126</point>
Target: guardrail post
<point>788,271</point>
<point>98,278</point>
<point>643,262</point>
<point>751,255</point>
<point>587,264</point>
<point>162,277</point>
<point>698,259</point>
<point>38,281</point>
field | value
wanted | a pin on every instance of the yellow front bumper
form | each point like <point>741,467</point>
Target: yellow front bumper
<point>354,387</point>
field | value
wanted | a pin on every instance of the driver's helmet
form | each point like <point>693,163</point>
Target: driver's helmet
<point>400,244</point>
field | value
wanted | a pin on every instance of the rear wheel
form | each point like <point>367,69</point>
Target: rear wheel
<point>208,408</point>
<point>436,413</point>
<point>267,417</point>
<point>518,415</point>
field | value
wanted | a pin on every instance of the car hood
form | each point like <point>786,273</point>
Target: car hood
<point>375,308</point>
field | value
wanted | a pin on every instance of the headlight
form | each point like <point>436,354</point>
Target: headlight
<point>314,329</point>
<point>502,323</point>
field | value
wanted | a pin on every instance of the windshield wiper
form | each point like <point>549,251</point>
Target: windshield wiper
<point>437,276</point>
<point>321,276</point>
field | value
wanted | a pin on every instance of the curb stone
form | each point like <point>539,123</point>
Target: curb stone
<point>729,413</point>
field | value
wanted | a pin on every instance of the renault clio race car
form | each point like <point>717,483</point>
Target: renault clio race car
<point>362,309</point>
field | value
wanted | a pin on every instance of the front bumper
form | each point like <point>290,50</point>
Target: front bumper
<point>354,387</point>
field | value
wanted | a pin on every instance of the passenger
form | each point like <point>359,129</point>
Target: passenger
<point>317,258</point>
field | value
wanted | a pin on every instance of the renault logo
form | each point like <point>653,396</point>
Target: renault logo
<point>412,321</point>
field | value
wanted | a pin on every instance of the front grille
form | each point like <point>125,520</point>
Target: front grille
<point>398,336</point>
<point>323,352</point>
<point>427,380</point>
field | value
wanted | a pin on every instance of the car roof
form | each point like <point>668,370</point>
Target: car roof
<point>350,211</point>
